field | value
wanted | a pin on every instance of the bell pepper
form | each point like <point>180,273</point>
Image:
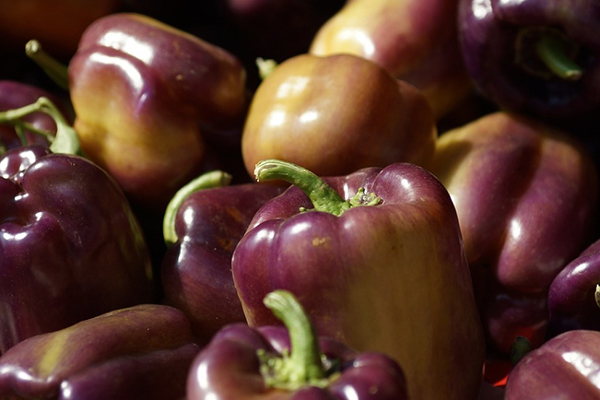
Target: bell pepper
<point>376,258</point>
<point>152,101</point>
<point>334,115</point>
<point>535,57</point>
<point>140,352</point>
<point>70,246</point>
<point>202,225</point>
<point>565,367</point>
<point>526,196</point>
<point>415,40</point>
<point>573,301</point>
<point>290,362</point>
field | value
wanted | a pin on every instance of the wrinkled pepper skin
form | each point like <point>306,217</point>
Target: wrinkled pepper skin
<point>290,362</point>
<point>148,97</point>
<point>415,40</point>
<point>571,298</point>
<point>15,94</point>
<point>565,367</point>
<point>388,277</point>
<point>526,197</point>
<point>490,32</point>
<point>70,247</point>
<point>305,112</point>
<point>141,352</point>
<point>196,270</point>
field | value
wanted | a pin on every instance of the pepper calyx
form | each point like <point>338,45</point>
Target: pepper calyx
<point>323,196</point>
<point>303,364</point>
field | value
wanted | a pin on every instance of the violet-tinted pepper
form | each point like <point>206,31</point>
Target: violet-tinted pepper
<point>148,100</point>
<point>141,352</point>
<point>526,195</point>
<point>203,224</point>
<point>70,246</point>
<point>378,264</point>
<point>565,367</point>
<point>534,56</point>
<point>273,362</point>
<point>415,40</point>
<point>573,300</point>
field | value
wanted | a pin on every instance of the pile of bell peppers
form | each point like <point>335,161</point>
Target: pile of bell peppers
<point>369,199</point>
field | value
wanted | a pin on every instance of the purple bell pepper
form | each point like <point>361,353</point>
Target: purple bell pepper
<point>565,367</point>
<point>526,195</point>
<point>70,246</point>
<point>141,352</point>
<point>378,250</point>
<point>534,56</point>
<point>573,295</point>
<point>291,362</point>
<point>202,226</point>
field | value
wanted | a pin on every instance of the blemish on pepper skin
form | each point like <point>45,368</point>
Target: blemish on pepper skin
<point>321,241</point>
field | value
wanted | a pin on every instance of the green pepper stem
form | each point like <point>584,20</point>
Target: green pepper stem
<point>551,51</point>
<point>597,295</point>
<point>303,365</point>
<point>519,348</point>
<point>323,196</point>
<point>52,67</point>
<point>265,67</point>
<point>65,141</point>
<point>205,181</point>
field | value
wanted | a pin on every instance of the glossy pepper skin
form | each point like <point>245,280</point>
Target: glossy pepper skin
<point>140,352</point>
<point>334,115</point>
<point>291,362</point>
<point>499,41</point>
<point>565,367</point>
<point>70,246</point>
<point>526,196</point>
<point>572,298</point>
<point>415,40</point>
<point>148,97</point>
<point>395,267</point>
<point>202,230</point>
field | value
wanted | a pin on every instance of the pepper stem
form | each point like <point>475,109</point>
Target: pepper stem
<point>551,51</point>
<point>323,196</point>
<point>265,67</point>
<point>51,66</point>
<point>519,348</point>
<point>303,367</point>
<point>65,141</point>
<point>205,181</point>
